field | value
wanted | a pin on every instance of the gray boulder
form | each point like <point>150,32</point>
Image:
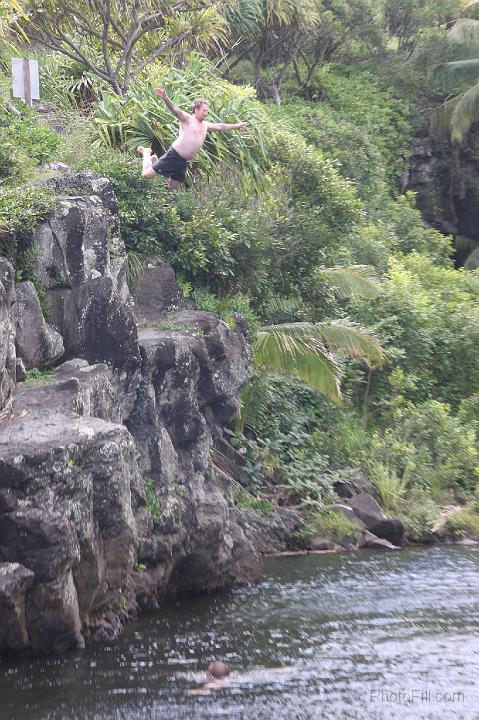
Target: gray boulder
<point>42,541</point>
<point>15,580</point>
<point>96,324</point>
<point>81,260</point>
<point>53,618</point>
<point>157,293</point>
<point>369,540</point>
<point>7,331</point>
<point>368,510</point>
<point>38,345</point>
<point>66,508</point>
<point>81,239</point>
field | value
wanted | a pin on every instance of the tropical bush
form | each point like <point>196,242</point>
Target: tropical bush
<point>20,211</point>
<point>24,144</point>
<point>426,446</point>
<point>142,118</point>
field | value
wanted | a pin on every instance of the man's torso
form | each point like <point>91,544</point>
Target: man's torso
<point>191,137</point>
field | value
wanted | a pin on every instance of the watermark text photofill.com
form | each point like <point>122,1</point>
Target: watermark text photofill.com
<point>409,697</point>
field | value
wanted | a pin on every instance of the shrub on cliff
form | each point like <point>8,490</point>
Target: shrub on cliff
<point>24,144</point>
<point>21,209</point>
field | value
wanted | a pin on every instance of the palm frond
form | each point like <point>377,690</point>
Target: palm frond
<point>351,281</point>
<point>349,339</point>
<point>244,17</point>
<point>282,353</point>
<point>340,337</point>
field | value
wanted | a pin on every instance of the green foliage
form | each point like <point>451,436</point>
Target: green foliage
<point>463,523</point>
<point>426,446</point>
<point>116,41</point>
<point>35,374</point>
<point>24,144</point>
<point>152,503</point>
<point>134,269</point>
<point>426,313</point>
<point>20,211</point>
<point>129,122</point>
<point>390,487</point>
<point>310,350</point>
<point>362,125</point>
<point>249,502</point>
<point>419,513</point>
<point>226,307</point>
<point>148,217</point>
<point>459,113</point>
<point>332,524</point>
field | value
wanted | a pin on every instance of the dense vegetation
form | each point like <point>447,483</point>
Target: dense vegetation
<point>297,223</point>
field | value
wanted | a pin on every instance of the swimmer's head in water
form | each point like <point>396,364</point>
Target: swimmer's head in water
<point>218,669</point>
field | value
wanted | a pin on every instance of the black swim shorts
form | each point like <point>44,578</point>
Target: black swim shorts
<point>171,165</point>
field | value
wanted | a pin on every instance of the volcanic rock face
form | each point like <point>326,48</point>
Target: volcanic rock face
<point>108,494</point>
<point>38,344</point>
<point>81,260</point>
<point>7,331</point>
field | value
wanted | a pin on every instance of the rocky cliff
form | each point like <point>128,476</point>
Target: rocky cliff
<point>109,494</point>
<point>446,179</point>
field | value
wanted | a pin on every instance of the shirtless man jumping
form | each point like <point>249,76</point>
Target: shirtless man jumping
<point>193,128</point>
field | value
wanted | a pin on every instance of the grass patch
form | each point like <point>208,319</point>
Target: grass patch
<point>35,375</point>
<point>332,524</point>
<point>246,502</point>
<point>462,524</point>
<point>152,503</point>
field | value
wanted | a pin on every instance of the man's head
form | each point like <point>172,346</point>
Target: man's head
<point>218,669</point>
<point>200,108</point>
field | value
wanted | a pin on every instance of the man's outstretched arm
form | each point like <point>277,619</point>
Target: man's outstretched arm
<point>227,126</point>
<point>180,114</point>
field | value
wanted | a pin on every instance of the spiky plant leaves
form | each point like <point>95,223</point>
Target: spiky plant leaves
<point>142,118</point>
<point>244,16</point>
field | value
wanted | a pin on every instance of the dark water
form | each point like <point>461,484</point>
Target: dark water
<point>356,629</point>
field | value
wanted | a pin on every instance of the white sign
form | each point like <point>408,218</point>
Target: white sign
<point>26,83</point>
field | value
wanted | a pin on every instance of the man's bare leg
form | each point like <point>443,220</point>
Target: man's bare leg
<point>147,169</point>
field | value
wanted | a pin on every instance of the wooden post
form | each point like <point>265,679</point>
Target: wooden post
<point>26,83</point>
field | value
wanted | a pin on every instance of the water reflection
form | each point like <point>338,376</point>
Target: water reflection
<point>358,630</point>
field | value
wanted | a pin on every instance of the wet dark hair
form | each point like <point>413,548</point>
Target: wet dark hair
<point>218,669</point>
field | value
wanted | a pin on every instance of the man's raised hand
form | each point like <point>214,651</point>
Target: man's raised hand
<point>160,92</point>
